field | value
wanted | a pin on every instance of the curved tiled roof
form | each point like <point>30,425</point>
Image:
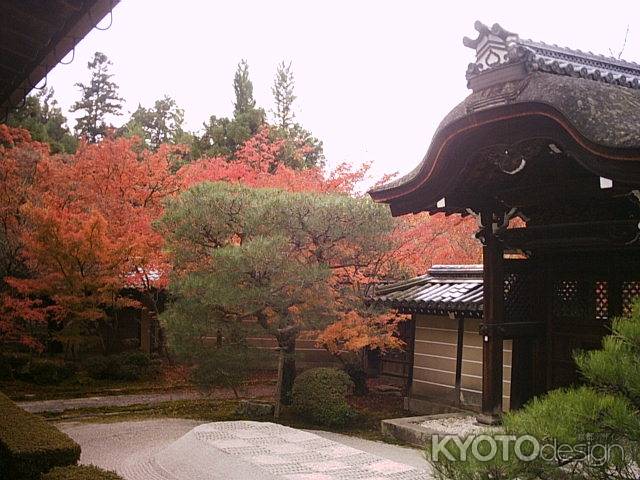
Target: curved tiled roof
<point>444,289</point>
<point>597,98</point>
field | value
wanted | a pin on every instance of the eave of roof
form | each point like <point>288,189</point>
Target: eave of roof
<point>29,57</point>
<point>445,289</point>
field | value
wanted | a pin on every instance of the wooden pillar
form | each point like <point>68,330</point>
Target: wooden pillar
<point>410,352</point>
<point>459,356</point>
<point>492,350</point>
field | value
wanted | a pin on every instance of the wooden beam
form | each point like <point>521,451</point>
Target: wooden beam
<point>581,234</point>
<point>513,329</point>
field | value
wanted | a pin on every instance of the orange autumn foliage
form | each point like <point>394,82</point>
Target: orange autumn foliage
<point>88,230</point>
<point>256,165</point>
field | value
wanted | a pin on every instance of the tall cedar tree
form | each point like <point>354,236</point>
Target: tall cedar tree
<point>283,96</point>
<point>224,136</point>
<point>301,149</point>
<point>243,89</point>
<point>99,100</point>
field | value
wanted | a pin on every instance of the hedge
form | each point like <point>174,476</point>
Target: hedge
<point>80,472</point>
<point>29,445</point>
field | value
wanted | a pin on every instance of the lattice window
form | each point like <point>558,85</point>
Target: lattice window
<point>518,293</point>
<point>568,299</point>
<point>602,300</point>
<point>630,292</point>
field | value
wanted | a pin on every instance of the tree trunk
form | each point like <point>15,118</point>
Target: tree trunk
<point>287,342</point>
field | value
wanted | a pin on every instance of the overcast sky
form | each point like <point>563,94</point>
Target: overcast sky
<point>373,78</point>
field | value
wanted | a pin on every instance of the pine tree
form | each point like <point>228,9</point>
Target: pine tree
<point>283,95</point>
<point>99,99</point>
<point>243,89</point>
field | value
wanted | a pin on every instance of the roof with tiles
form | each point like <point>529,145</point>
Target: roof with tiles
<point>444,289</point>
<point>594,98</point>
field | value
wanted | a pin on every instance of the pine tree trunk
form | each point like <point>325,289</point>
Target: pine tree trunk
<point>287,342</point>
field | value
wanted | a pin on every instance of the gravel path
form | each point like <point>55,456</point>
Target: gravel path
<point>174,449</point>
<point>61,405</point>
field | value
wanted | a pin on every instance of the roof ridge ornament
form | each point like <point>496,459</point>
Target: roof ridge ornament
<point>502,56</point>
<point>484,31</point>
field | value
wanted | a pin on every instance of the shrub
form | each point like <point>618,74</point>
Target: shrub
<point>319,395</point>
<point>29,445</point>
<point>227,366</point>
<point>45,372</point>
<point>123,366</point>
<point>80,472</point>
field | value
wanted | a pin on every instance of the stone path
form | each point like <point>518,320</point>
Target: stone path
<point>263,450</point>
<point>40,406</point>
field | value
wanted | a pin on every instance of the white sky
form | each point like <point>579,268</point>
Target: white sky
<point>373,78</point>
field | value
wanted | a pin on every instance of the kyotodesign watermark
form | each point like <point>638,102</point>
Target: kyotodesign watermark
<point>526,448</point>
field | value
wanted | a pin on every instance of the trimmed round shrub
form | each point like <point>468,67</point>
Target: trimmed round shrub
<point>319,395</point>
<point>80,472</point>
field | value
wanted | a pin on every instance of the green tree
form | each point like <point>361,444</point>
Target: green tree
<point>42,116</point>
<point>301,149</point>
<point>159,124</point>
<point>604,413</point>
<point>223,136</point>
<point>283,96</point>
<point>243,89</point>
<point>265,255</point>
<point>99,100</point>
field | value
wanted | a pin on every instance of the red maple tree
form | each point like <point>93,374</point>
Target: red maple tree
<point>88,233</point>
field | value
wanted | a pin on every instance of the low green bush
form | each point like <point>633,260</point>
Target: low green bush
<point>29,445</point>
<point>80,472</point>
<point>319,395</point>
<point>123,366</point>
<point>45,372</point>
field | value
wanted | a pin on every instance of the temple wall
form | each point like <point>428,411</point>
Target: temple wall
<point>435,362</point>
